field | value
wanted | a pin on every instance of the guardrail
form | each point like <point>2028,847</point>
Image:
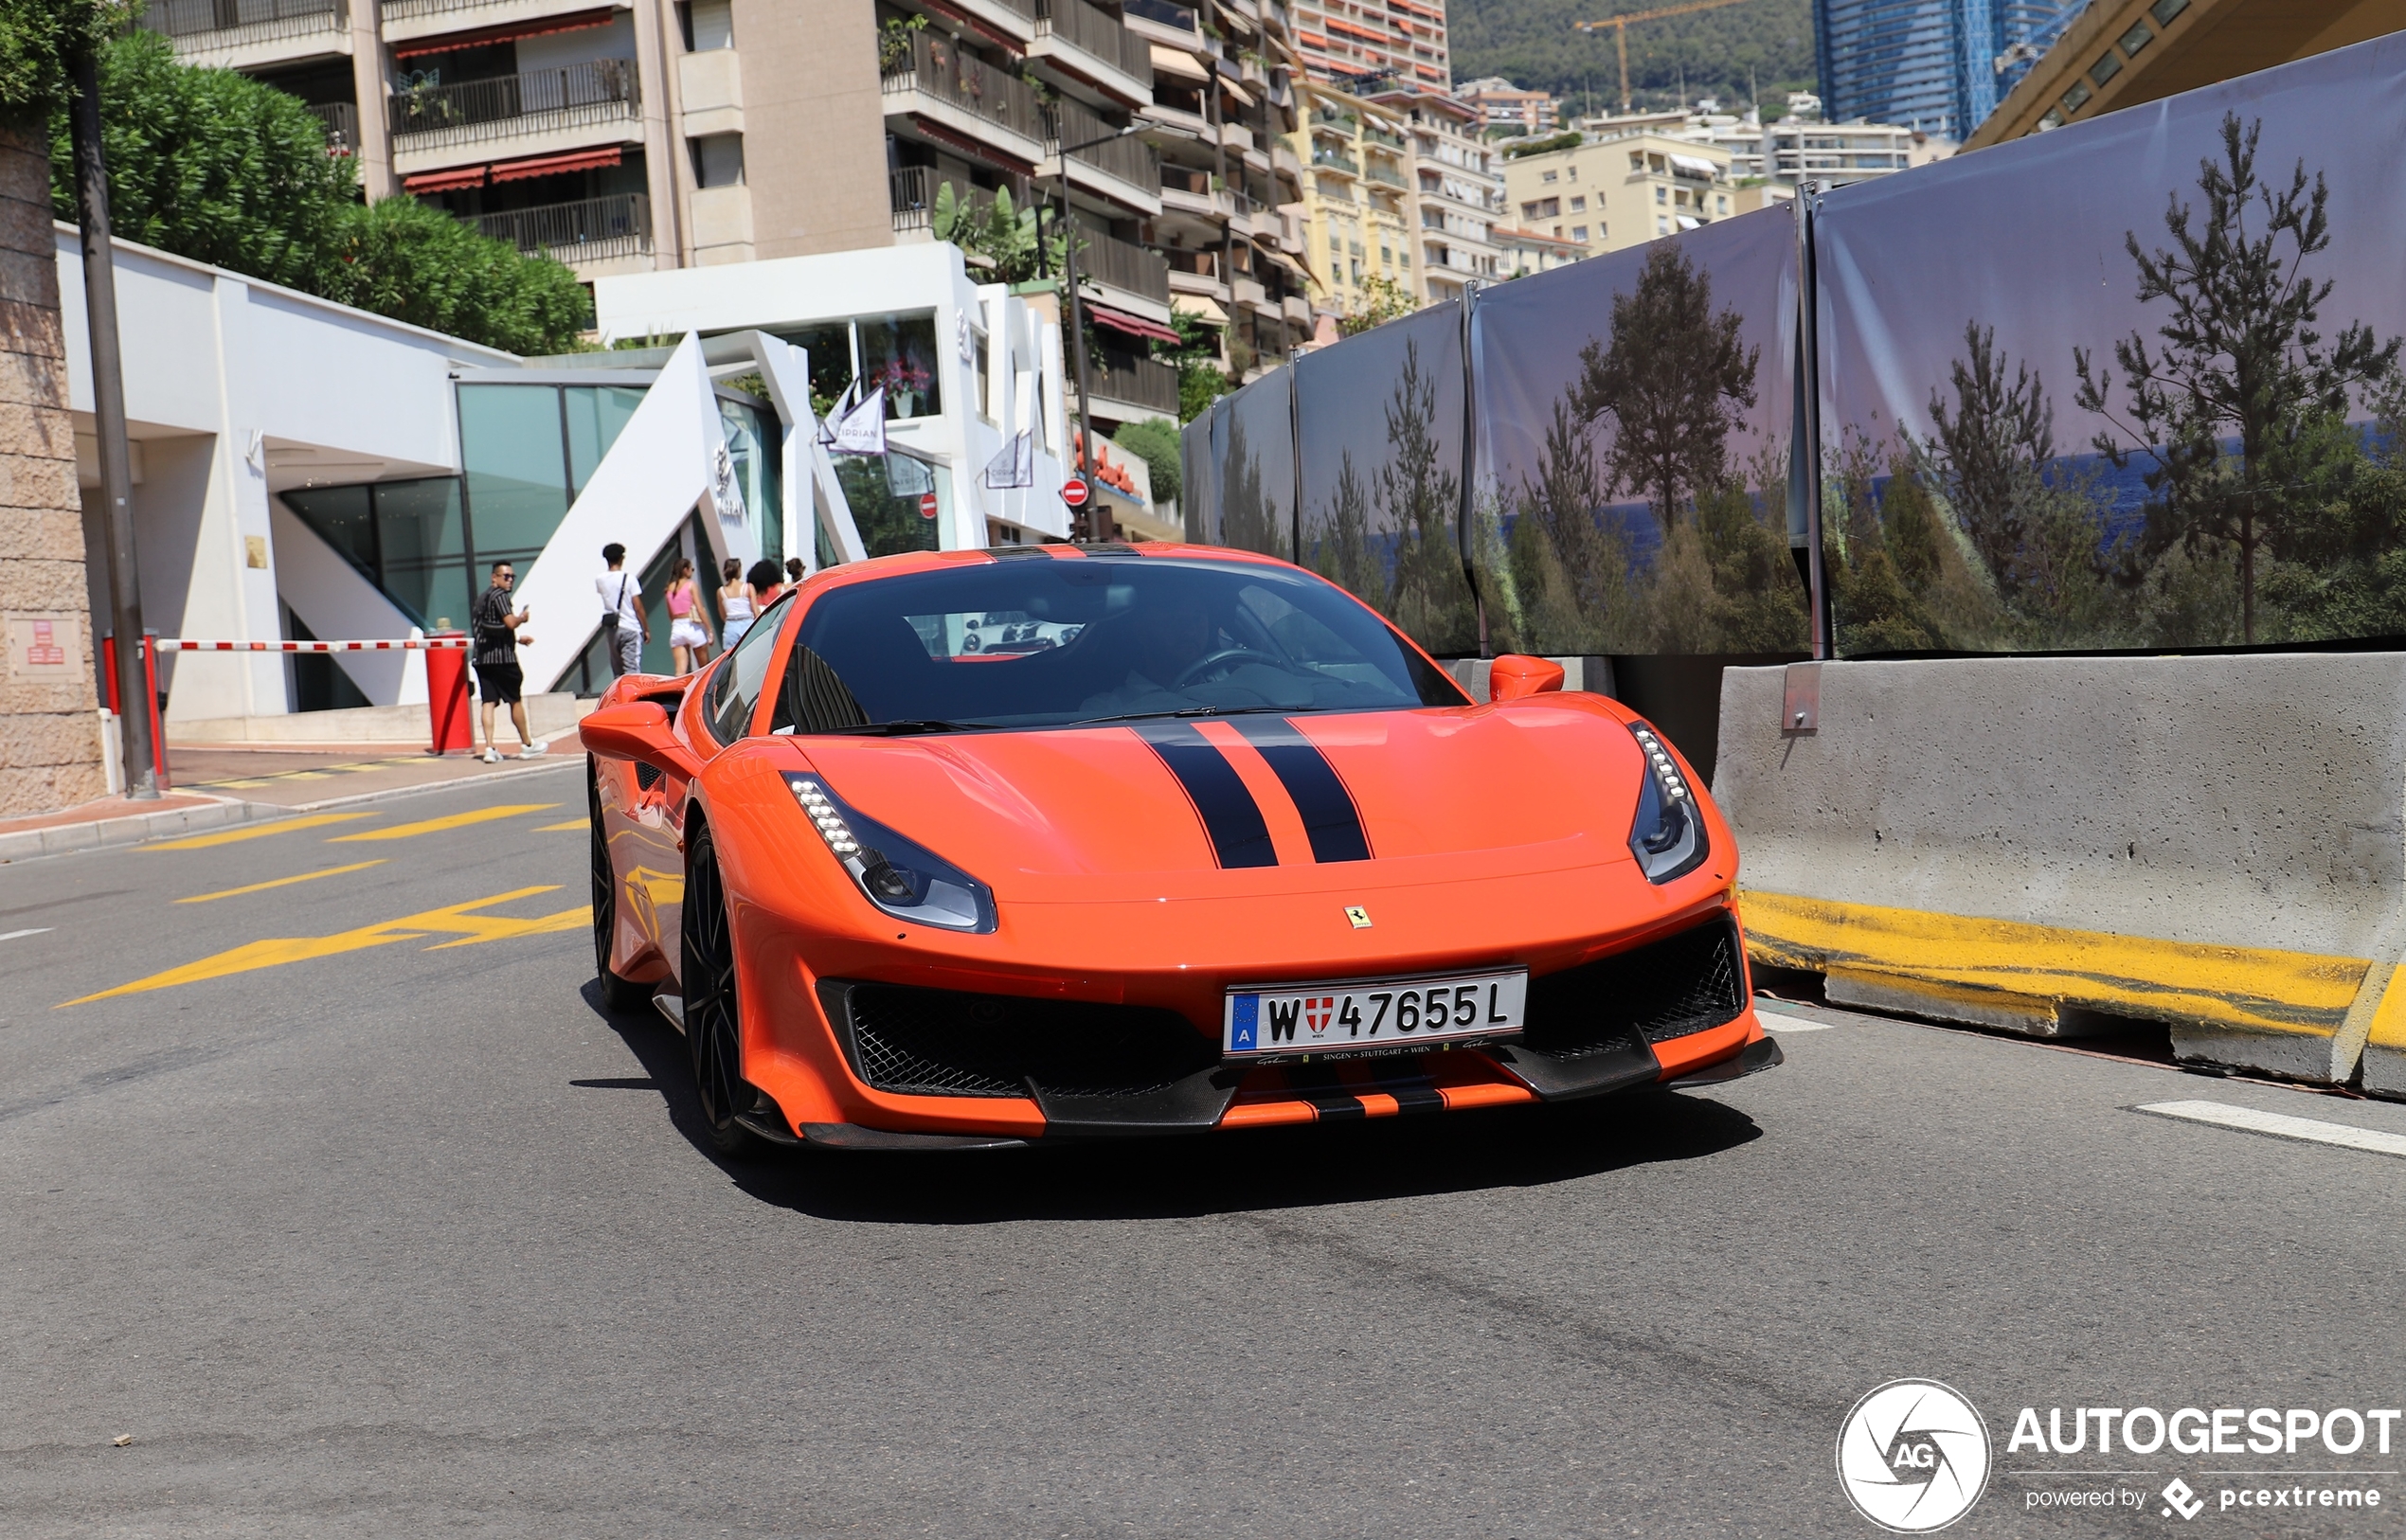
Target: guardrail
<point>1097,33</point>
<point>219,23</point>
<point>591,92</point>
<point>1162,13</point>
<point>341,122</point>
<point>1123,265</point>
<point>1139,381</point>
<point>588,229</point>
<point>1131,159</point>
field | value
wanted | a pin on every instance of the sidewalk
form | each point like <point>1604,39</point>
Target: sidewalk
<point>219,784</point>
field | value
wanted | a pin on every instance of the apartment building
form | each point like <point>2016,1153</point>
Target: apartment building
<point>1353,42</point>
<point>1625,191</point>
<point>1529,251</point>
<point>1458,192</point>
<point>1361,199</point>
<point>1789,150</point>
<point>630,136</point>
<point>1505,106</point>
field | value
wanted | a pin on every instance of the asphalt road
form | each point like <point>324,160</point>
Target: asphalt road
<point>398,1234</point>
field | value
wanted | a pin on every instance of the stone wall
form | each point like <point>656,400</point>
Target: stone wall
<point>50,754</point>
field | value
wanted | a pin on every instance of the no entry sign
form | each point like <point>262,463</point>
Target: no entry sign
<point>1073,491</point>
<point>927,504</point>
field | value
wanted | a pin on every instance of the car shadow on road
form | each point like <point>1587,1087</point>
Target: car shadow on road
<point>1152,1178</point>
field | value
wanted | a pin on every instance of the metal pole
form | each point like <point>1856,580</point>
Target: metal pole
<point>108,412</point>
<point>1805,453</point>
<point>1077,334</point>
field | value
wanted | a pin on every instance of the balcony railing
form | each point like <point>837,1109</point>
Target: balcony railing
<point>912,197</point>
<point>223,24</point>
<point>341,120</point>
<point>1139,381</point>
<point>1334,160</point>
<point>587,230</point>
<point>590,93</point>
<point>1123,265</point>
<point>939,68</point>
<point>1130,159</point>
<point>1379,172</point>
<point>1162,13</point>
<point>402,10</point>
<point>1098,34</point>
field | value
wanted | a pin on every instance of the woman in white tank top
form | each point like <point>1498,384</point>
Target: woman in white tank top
<point>734,603</point>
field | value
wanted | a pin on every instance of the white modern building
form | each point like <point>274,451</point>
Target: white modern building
<point>305,471</point>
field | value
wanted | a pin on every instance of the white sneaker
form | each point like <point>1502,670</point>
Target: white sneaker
<point>493,756</point>
<point>531,751</point>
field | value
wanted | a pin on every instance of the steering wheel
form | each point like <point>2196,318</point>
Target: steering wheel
<point>1221,659</point>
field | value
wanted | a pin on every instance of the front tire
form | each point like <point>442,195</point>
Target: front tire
<point>713,1022</point>
<point>622,994</point>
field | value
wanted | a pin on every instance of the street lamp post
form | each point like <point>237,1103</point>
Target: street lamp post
<point>1077,306</point>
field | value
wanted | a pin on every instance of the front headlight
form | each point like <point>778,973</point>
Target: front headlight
<point>1668,836</point>
<point>899,876</point>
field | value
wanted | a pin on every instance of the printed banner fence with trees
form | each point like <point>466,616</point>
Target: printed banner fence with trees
<point>2134,384</point>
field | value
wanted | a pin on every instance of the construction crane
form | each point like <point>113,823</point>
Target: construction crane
<point>1620,26</point>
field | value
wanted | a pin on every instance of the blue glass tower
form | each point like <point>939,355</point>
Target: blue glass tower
<point>1929,64</point>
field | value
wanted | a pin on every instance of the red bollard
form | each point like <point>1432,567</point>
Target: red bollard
<point>447,695</point>
<point>150,681</point>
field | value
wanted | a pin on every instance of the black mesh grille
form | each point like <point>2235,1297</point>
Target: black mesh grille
<point>924,1041</point>
<point>645,777</point>
<point>1685,984</point>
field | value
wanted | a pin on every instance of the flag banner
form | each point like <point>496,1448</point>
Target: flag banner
<point>1016,466</point>
<point>909,477</point>
<point>836,415</point>
<point>862,430</point>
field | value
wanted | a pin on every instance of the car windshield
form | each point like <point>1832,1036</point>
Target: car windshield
<point>1056,641</point>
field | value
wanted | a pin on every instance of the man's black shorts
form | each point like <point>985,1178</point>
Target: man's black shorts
<point>499,682</point>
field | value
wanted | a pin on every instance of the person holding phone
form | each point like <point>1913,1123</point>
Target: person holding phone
<point>498,677</point>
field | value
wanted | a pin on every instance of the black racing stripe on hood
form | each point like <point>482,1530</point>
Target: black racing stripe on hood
<point>1329,816</point>
<point>1230,816</point>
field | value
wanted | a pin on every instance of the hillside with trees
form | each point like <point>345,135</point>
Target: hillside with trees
<point>1530,42</point>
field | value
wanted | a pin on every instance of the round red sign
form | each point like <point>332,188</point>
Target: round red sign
<point>927,504</point>
<point>1073,491</point>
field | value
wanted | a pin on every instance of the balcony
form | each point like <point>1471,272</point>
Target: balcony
<point>1146,383</point>
<point>1091,44</point>
<point>912,193</point>
<point>1125,169</point>
<point>1380,172</point>
<point>1179,20</point>
<point>405,21</point>
<point>1195,272</point>
<point>580,234</point>
<point>341,122</point>
<point>1326,159</point>
<point>231,33</point>
<point>1124,265</point>
<point>955,90</point>
<point>560,106</point>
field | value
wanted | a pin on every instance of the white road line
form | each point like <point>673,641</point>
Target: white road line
<point>1774,1021</point>
<point>11,935</point>
<point>2281,1126</point>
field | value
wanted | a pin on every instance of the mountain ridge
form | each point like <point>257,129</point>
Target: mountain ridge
<point>1729,53</point>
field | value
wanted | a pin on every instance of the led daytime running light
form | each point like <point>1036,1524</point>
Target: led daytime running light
<point>831,824</point>
<point>1666,770</point>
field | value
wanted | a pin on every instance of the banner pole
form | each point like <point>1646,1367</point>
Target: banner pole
<point>1466,531</point>
<point>1805,453</point>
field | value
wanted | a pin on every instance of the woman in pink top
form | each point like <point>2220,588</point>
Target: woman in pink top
<point>688,630</point>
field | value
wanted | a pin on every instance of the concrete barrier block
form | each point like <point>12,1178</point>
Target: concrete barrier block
<point>2218,844</point>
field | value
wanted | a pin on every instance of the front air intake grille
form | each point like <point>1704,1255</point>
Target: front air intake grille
<point>924,1041</point>
<point>645,777</point>
<point>1684,984</point>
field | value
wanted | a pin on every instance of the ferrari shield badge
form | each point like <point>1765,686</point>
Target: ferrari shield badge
<point>1357,915</point>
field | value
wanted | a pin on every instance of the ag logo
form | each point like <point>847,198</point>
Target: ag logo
<point>1912,1457</point>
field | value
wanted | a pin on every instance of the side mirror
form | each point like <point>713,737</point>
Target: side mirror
<point>1516,675</point>
<point>638,730</point>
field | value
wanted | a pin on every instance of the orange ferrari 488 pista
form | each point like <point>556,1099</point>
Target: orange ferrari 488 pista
<point>985,848</point>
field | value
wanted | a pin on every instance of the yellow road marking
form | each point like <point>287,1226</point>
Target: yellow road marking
<point>257,830</point>
<point>455,919</point>
<point>281,882</point>
<point>2137,975</point>
<point>456,820</point>
<point>560,828</point>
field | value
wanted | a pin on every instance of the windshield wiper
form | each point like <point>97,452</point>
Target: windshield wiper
<point>911,726</point>
<point>1190,711</point>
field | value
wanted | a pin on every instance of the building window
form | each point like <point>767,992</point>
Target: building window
<point>2135,39</point>
<point>1721,202</point>
<point>2163,10</point>
<point>1663,195</point>
<point>718,160</point>
<point>2076,98</point>
<point>2106,68</point>
<point>1545,176</point>
<point>707,24</point>
<point>1578,206</point>
<point>1578,232</point>
<point>1661,225</point>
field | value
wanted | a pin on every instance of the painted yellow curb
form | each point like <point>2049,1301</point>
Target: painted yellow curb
<point>2248,988</point>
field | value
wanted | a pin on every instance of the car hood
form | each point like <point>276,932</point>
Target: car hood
<point>1093,814</point>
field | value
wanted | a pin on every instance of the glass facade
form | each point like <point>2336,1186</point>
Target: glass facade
<point>888,500</point>
<point>897,351</point>
<point>1930,65</point>
<point>408,538</point>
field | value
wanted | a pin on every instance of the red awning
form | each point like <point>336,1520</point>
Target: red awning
<point>1135,326</point>
<point>463,176</point>
<point>581,160</point>
<point>544,26</point>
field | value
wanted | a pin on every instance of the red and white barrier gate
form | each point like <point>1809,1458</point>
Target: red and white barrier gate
<point>446,674</point>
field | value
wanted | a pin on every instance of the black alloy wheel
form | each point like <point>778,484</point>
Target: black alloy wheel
<point>616,992</point>
<point>714,1033</point>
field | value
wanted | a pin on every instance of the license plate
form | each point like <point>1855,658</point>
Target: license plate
<point>1372,1016</point>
